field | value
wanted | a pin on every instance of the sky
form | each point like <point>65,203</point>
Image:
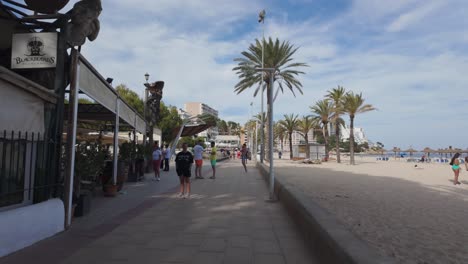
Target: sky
<point>409,58</point>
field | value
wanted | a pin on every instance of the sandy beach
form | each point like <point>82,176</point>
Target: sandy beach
<point>414,214</point>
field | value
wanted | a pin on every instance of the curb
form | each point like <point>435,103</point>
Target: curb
<point>326,237</point>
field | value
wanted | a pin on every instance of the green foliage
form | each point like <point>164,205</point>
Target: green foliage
<point>84,101</point>
<point>127,152</point>
<point>89,160</point>
<point>278,55</point>
<point>131,98</point>
<point>191,141</point>
<point>169,120</point>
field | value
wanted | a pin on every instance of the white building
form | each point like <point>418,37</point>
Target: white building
<point>297,139</point>
<point>359,135</point>
<point>225,141</point>
<point>197,108</point>
<point>183,114</point>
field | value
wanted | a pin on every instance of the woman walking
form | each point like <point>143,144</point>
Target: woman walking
<point>157,158</point>
<point>455,163</point>
<point>184,161</point>
<point>243,154</point>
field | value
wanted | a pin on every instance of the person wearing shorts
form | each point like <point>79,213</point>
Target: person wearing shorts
<point>198,154</point>
<point>213,160</point>
<point>184,161</point>
<point>244,152</point>
<point>157,158</point>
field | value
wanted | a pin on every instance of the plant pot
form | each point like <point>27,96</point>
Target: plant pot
<point>110,190</point>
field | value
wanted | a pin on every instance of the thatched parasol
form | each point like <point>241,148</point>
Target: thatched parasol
<point>428,151</point>
<point>395,149</point>
<point>411,151</point>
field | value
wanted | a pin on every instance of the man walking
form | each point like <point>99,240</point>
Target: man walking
<point>198,153</point>
<point>213,159</point>
<point>184,161</point>
<point>167,156</point>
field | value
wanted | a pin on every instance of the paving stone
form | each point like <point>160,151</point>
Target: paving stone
<point>190,239</point>
<point>164,243</point>
<point>238,255</point>
<point>269,247</point>
<point>208,258</point>
<point>240,241</point>
<point>213,244</point>
<point>268,259</point>
<point>180,254</point>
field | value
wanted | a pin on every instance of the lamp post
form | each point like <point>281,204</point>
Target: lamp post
<point>261,19</point>
<point>272,72</point>
<point>144,108</point>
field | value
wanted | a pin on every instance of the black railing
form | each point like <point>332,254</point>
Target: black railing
<point>27,169</point>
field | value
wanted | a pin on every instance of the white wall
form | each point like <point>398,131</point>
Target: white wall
<point>27,225</point>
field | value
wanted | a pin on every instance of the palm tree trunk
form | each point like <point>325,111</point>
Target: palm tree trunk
<point>281,140</point>
<point>351,140</point>
<point>290,146</point>
<point>307,146</point>
<point>337,138</point>
<point>325,137</point>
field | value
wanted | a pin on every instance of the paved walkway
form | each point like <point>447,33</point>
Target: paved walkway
<point>225,221</point>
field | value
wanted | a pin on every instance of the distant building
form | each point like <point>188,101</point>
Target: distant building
<point>297,139</point>
<point>183,114</point>
<point>359,135</point>
<point>197,108</point>
<point>225,141</point>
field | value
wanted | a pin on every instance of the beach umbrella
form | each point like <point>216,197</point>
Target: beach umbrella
<point>395,149</point>
<point>411,151</point>
<point>428,151</point>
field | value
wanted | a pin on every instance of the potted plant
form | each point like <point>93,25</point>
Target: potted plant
<point>89,163</point>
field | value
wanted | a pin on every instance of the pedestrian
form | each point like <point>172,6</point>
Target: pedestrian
<point>198,154</point>
<point>455,163</point>
<point>243,156</point>
<point>213,159</point>
<point>157,157</point>
<point>280,154</point>
<point>466,162</point>
<point>167,156</point>
<point>239,153</point>
<point>163,152</point>
<point>184,161</point>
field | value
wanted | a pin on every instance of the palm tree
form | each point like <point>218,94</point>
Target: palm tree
<point>353,104</point>
<point>336,95</point>
<point>280,133</point>
<point>277,55</point>
<point>305,125</point>
<point>290,123</point>
<point>322,113</point>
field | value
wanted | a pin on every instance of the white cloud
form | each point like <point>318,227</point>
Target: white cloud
<point>415,15</point>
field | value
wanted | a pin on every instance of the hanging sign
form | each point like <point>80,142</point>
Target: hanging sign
<point>34,50</point>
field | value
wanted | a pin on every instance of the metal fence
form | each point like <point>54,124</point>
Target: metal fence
<point>27,169</point>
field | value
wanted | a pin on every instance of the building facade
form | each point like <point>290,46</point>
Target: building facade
<point>198,108</point>
<point>359,135</point>
<point>297,139</point>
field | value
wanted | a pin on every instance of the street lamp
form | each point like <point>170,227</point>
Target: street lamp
<point>272,72</point>
<point>144,108</point>
<point>261,19</point>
